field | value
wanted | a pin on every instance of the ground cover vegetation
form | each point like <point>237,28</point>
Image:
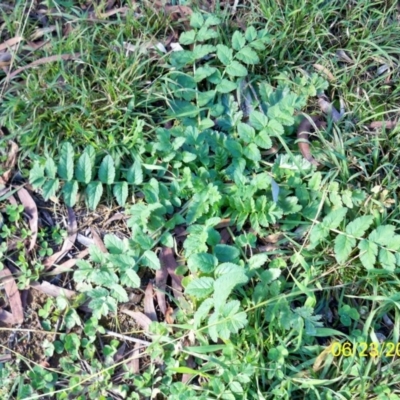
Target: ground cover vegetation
<point>161,235</point>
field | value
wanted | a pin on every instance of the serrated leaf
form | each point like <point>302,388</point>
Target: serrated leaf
<point>387,259</point>
<point>248,56</point>
<point>50,168</point>
<point>36,176</point>
<point>70,192</point>
<point>203,311</point>
<point>151,260</point>
<point>120,191</point>
<point>368,253</point>
<point>225,253</point>
<point>50,188</point>
<point>212,20</point>
<point>119,293</point>
<point>270,275</point>
<point>359,226</point>
<point>236,69</point>
<point>232,319</point>
<point>94,192</point>
<point>203,72</point>
<point>134,175</point>
<point>187,37</point>
<point>226,86</point>
<point>258,120</point>
<point>224,54</point>
<point>238,40</point>
<point>263,140</point>
<point>96,255</point>
<point>251,33</point>
<point>66,163</point>
<point>334,218</point>
<point>196,20</point>
<point>252,152</point>
<point>343,247</point>
<point>224,285</point>
<point>130,278</point>
<point>203,262</point>
<point>284,117</point>
<point>107,170</point>
<point>318,234</point>
<point>246,132</point>
<point>114,244</point>
<point>274,128</point>
<point>83,170</point>
<point>383,234</point>
<point>200,287</point>
<point>202,50</point>
<point>257,261</point>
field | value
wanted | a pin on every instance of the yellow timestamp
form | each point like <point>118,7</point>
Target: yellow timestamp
<point>364,349</point>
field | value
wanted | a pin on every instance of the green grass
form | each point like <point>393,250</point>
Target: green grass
<point>281,313</point>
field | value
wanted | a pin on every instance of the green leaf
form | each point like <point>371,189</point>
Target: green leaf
<point>205,33</point>
<point>274,128</point>
<point>203,311</point>
<point>196,20</point>
<point>224,285</point>
<point>151,260</point>
<point>232,319</point>
<point>94,192</point>
<point>83,171</point>
<point>251,33</point>
<point>200,287</point>
<point>257,261</point>
<point>96,255</point>
<point>134,175</point>
<point>252,152</point>
<point>236,69</point>
<point>343,247</point>
<point>359,226</point>
<point>203,72</point>
<point>66,163</point>
<point>187,37</point>
<point>70,192</point>
<point>238,40</point>
<point>203,262</point>
<point>50,168</point>
<point>212,20</point>
<point>130,278</point>
<point>387,259</point>
<point>225,253</point>
<point>246,132</point>
<point>107,170</point>
<point>202,50</point>
<point>368,253</point>
<point>383,234</point>
<point>120,191</point>
<point>36,176</point>
<point>334,218</point>
<point>270,275</point>
<point>258,120</point>
<point>50,188</point>
<point>119,293</point>
<point>318,233</point>
<point>284,117</point>
<point>248,56</point>
<point>224,54</point>
<point>115,245</point>
<point>263,140</point>
<point>226,86</point>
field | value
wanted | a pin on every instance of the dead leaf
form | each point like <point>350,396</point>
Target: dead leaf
<point>169,318</point>
<point>134,364</point>
<point>325,71</point>
<point>176,281</point>
<point>52,290</point>
<point>72,229</point>
<point>191,364</point>
<point>149,309</point>
<point>39,32</point>
<point>225,236</point>
<point>161,281</point>
<point>142,320</point>
<point>178,12</point>
<point>6,318</point>
<point>116,217</point>
<point>341,54</point>
<point>119,355</point>
<point>10,162</point>
<point>67,265</point>
<point>45,60</point>
<point>97,240</point>
<point>10,43</point>
<point>320,360</point>
<point>31,211</point>
<point>13,295</point>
